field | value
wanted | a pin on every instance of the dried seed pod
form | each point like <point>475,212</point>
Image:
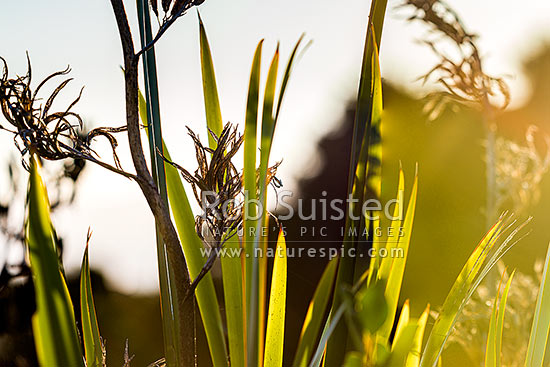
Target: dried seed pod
<point>155,7</point>
<point>181,6</point>
<point>166,5</point>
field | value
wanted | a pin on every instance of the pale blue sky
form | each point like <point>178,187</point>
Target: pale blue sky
<point>83,34</point>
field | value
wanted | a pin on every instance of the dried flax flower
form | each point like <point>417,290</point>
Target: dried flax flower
<point>462,78</point>
<point>51,135</point>
<point>217,187</point>
<point>173,8</point>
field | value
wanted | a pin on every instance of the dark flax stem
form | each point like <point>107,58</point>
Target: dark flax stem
<point>145,181</point>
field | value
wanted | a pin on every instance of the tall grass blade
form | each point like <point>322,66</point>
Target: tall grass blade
<point>386,262</point>
<point>374,169</point>
<point>257,297</point>
<point>275,333</point>
<point>374,265</point>
<point>491,355</point>
<point>500,319</point>
<point>233,295</point>
<point>380,266</point>
<point>403,320</point>
<point>364,102</point>
<point>496,326</point>
<point>315,315</point>
<point>268,121</point>
<point>256,307</point>
<point>249,167</point>
<point>286,75</point>
<point>53,323</point>
<point>413,360</point>
<point>402,346</point>
<point>330,326</point>
<point>541,321</point>
<point>90,329</point>
<point>490,349</point>
<point>395,279</point>
<point>210,90</point>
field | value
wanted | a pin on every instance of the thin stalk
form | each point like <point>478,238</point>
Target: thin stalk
<point>491,213</point>
<point>491,209</point>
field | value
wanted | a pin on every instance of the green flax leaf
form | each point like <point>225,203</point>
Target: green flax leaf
<point>275,334</point>
<point>233,295</point>
<point>90,329</point>
<point>541,322</point>
<point>316,315</point>
<point>210,90</point>
<point>53,323</point>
